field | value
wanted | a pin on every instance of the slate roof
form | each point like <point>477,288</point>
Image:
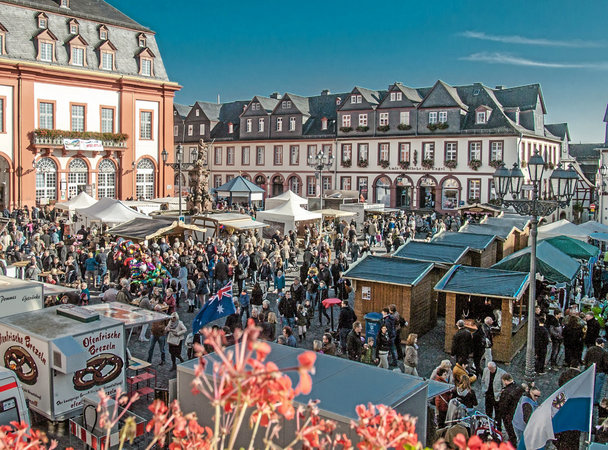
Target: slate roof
<point>434,252</point>
<point>472,240</point>
<point>182,110</point>
<point>585,151</point>
<point>239,184</point>
<point>501,232</point>
<point>370,96</point>
<point>483,282</point>
<point>389,270</point>
<point>559,129</point>
<point>412,94</point>
<point>19,18</point>
<point>524,97</point>
<point>211,110</point>
<point>301,103</point>
<point>267,103</point>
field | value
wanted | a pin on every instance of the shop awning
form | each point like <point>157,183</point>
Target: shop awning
<point>434,252</point>
<point>382,269</point>
<point>482,282</point>
<point>139,228</point>
<point>573,247</point>
<point>551,263</point>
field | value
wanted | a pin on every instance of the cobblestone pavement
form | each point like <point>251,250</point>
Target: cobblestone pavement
<point>430,354</point>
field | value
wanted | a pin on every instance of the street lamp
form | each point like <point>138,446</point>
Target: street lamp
<point>178,165</point>
<point>320,162</point>
<point>562,187</point>
<point>603,171</point>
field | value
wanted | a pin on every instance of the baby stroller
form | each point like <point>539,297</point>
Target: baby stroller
<point>475,423</point>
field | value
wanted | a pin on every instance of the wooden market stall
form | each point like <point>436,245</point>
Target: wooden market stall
<point>473,293</point>
<point>382,281</point>
<point>435,252</point>
<point>506,236</point>
<point>482,246</point>
<point>521,226</point>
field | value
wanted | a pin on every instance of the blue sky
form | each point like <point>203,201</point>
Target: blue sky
<point>239,49</point>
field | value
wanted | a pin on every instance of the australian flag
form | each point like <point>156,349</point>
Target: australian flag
<point>218,306</point>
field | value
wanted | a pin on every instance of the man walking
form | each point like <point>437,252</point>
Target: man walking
<point>345,323</point>
<point>507,403</point>
<point>598,356</point>
<point>491,382</point>
<point>462,342</point>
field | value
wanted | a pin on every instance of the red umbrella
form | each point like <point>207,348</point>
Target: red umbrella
<point>329,303</point>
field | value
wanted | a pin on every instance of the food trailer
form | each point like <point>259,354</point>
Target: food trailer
<point>19,296</point>
<point>61,354</point>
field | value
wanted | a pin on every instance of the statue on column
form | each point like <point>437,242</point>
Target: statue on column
<point>199,199</point>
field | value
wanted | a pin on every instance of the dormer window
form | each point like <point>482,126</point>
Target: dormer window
<point>324,123</point>
<point>292,124</point>
<point>481,117</point>
<point>197,113</point>
<point>230,127</point>
<point>46,46</point>
<point>3,32</point>
<point>146,63</point>
<point>43,20</point>
<point>286,104</point>
<point>142,40</point>
<point>107,56</point>
<point>103,33</point>
<point>64,3</point>
<point>356,98</point>
<point>73,26</point>
<point>78,54</point>
<point>482,114</point>
<point>396,96</point>
<point>255,106</point>
<point>146,67</point>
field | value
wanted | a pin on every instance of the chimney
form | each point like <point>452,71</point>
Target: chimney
<point>244,108</point>
<point>338,101</point>
<point>500,87</point>
<point>218,99</point>
<point>324,123</point>
<point>325,92</point>
<point>230,128</point>
<point>275,95</point>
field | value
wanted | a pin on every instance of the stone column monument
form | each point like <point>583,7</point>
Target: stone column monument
<point>199,199</point>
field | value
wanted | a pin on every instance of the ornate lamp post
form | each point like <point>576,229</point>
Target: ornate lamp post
<point>562,188</point>
<point>178,165</point>
<point>601,191</point>
<point>320,162</point>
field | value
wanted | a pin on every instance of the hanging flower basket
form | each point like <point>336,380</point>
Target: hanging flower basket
<point>475,164</point>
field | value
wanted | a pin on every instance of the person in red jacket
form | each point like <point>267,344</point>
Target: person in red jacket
<point>442,400</point>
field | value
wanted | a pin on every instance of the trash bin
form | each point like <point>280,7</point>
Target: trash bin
<point>372,325</point>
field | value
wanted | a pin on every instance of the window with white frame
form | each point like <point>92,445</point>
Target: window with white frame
<point>326,183</point>
<point>259,155</point>
<point>347,152</point>
<point>345,183</point>
<point>346,120</point>
<point>443,116</point>
<point>480,117</point>
<point>328,150</point>
<point>278,155</point>
<point>197,112</point>
<point>107,120</point>
<point>78,176</point>
<point>255,106</point>
<point>311,186</point>
<point>428,150</point>
<point>245,157</point>
<point>475,150</point>
<point>217,181</point>
<point>383,119</point>
<point>77,56</point>
<point>46,51</point>
<point>294,154</point>
<point>201,129</point>
<point>294,184</point>
<point>356,98</point>
<point>404,152</point>
<point>396,96</point>
<point>46,180</point>
<point>292,124</point>
<point>249,125</point>
<point>261,125</point>
<point>46,115</point>
<point>404,118</point>
<point>362,120</point>
<point>312,152</point>
<point>474,189</point>
<point>217,157</point>
<point>107,61</point>
<point>279,124</point>
<point>362,186</point>
<point>230,156</point>
<point>451,151</point>
<point>103,34</point>
<point>144,179</point>
<point>383,151</point>
<point>363,150</point>
<point>496,151</point>
<point>286,104</point>
<point>432,117</point>
<point>145,124</point>
<point>190,130</point>
<point>78,118</point>
<point>146,67</point>
<point>106,179</point>
<point>42,21</point>
<point>73,28</point>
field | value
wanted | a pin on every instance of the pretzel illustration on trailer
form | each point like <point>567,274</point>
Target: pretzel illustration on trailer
<point>21,362</point>
<point>100,369</point>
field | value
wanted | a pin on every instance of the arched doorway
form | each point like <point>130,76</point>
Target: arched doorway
<point>144,180</point>
<point>46,181</point>
<point>5,183</point>
<point>277,185</point>
<point>106,179</point>
<point>450,194</point>
<point>383,191</point>
<point>294,184</point>
<point>427,192</point>
<point>78,177</point>
<point>403,192</point>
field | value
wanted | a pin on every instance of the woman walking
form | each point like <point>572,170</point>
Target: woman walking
<point>383,346</point>
<point>175,336</point>
<point>411,354</point>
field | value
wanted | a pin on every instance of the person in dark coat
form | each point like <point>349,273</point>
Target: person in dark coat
<point>541,342</point>
<point>354,342</point>
<point>462,342</point>
<point>507,404</point>
<point>593,330</point>
<point>573,340</point>
<point>479,348</point>
<point>287,309</point>
<point>345,323</point>
<point>597,355</point>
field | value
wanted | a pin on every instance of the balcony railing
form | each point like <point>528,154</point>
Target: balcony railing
<point>55,137</point>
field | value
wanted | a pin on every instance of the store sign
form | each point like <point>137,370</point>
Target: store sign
<point>83,144</point>
<point>366,292</point>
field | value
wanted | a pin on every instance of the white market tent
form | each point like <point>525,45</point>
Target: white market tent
<point>82,200</point>
<point>593,227</point>
<point>288,215</point>
<point>109,211</point>
<point>562,228</point>
<point>287,196</point>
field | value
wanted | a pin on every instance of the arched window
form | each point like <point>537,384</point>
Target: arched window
<point>294,184</point>
<point>46,180</point>
<point>277,185</point>
<point>450,190</point>
<point>260,180</point>
<point>78,177</point>
<point>144,180</point>
<point>383,191</point>
<point>106,179</point>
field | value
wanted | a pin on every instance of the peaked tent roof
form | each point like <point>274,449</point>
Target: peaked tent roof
<point>82,200</point>
<point>551,263</point>
<point>288,210</point>
<point>474,241</point>
<point>562,228</point>
<point>434,252</point>
<point>239,184</point>
<point>483,282</point>
<point>383,269</point>
<point>593,227</point>
<point>290,196</point>
<point>574,247</point>
<point>109,210</point>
